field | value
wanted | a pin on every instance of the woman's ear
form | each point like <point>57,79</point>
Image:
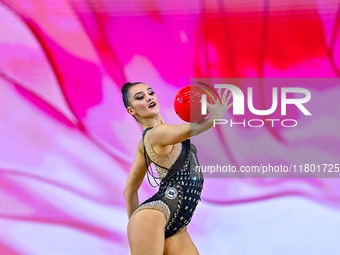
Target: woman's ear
<point>131,111</point>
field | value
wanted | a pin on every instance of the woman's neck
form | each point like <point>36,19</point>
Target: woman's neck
<point>145,123</point>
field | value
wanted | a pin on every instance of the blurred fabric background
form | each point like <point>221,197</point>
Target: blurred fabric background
<point>67,143</point>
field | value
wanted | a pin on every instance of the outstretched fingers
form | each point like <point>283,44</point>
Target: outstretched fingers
<point>224,100</point>
<point>219,94</point>
<point>228,106</point>
<point>228,99</point>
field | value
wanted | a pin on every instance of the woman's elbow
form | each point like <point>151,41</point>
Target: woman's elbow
<point>125,192</point>
<point>128,193</point>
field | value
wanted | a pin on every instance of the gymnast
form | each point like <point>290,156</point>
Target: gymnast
<point>159,225</point>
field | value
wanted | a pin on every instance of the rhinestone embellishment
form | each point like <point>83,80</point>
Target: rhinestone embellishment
<point>156,205</point>
<point>171,193</point>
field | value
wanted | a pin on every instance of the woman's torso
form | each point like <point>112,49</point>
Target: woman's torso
<point>163,162</point>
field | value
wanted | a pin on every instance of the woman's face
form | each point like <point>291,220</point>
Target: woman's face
<point>143,101</point>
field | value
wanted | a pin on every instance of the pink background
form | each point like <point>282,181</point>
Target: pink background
<point>67,143</point>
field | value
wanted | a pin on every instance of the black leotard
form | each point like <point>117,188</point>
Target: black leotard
<point>179,191</point>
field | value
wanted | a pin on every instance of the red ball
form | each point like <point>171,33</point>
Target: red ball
<point>188,104</point>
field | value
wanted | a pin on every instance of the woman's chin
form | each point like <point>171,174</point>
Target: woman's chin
<point>152,114</point>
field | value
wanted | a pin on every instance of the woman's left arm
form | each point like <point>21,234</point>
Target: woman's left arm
<point>134,181</point>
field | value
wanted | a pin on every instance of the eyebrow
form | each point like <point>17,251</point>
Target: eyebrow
<point>142,91</point>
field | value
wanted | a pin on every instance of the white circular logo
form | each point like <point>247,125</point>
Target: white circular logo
<point>171,193</point>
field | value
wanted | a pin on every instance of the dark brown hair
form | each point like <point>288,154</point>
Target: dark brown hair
<point>126,94</point>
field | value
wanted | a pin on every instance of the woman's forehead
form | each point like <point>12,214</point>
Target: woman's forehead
<point>138,87</point>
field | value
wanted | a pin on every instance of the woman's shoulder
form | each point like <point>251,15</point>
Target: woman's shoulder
<point>140,146</point>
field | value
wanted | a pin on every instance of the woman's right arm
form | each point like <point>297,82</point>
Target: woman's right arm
<point>134,181</point>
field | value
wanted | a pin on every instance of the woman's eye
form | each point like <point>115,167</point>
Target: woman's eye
<point>141,97</point>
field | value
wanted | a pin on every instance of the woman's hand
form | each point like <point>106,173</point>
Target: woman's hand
<point>165,134</point>
<point>217,111</point>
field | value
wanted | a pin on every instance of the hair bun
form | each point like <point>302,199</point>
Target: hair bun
<point>125,87</point>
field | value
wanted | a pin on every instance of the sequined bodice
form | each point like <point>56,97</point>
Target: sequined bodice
<point>166,160</point>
